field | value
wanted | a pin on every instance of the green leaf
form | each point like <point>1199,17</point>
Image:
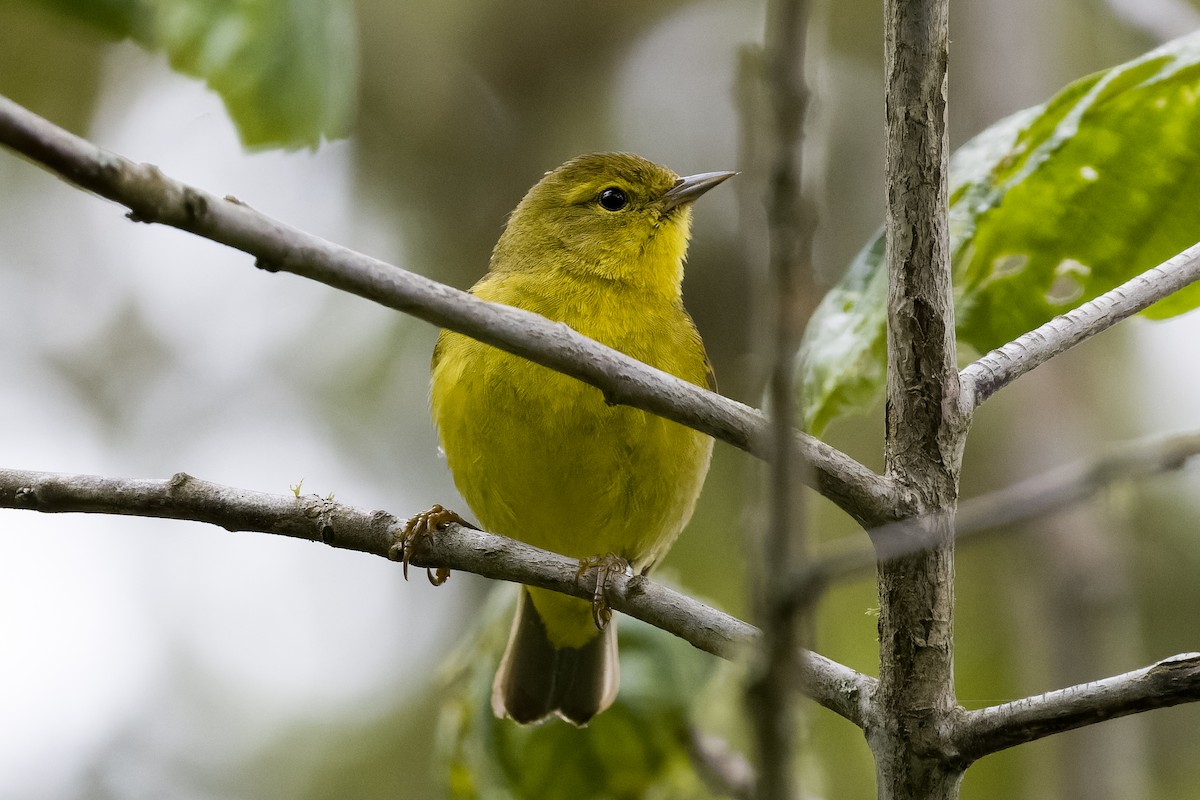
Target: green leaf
<point>287,70</point>
<point>1048,209</point>
<point>634,749</point>
<point>844,352</point>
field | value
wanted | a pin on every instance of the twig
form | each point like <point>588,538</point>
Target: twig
<point>983,378</point>
<point>845,692</point>
<point>337,525</point>
<point>1047,493</point>
<point>723,770</point>
<point>1169,682</point>
<point>152,196</point>
<point>769,691</point>
<point>1059,488</point>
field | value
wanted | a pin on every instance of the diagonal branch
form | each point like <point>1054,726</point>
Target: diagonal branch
<point>152,196</point>
<point>1062,487</point>
<point>1170,682</point>
<point>725,771</point>
<point>1029,499</point>
<point>316,519</point>
<point>991,373</point>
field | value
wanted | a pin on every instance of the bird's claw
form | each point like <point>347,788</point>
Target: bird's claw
<point>607,566</point>
<point>426,523</point>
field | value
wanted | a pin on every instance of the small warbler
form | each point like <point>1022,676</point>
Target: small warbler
<point>598,244</point>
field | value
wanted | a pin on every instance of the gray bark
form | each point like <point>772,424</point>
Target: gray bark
<point>923,449</point>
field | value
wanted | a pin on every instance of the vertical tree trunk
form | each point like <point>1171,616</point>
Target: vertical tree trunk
<point>915,700</point>
<point>924,434</point>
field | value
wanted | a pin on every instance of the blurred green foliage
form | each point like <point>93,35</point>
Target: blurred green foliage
<point>287,70</point>
<point>637,748</point>
<point>1048,208</point>
<point>116,19</point>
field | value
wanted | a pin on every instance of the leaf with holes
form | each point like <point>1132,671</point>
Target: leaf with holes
<point>1048,209</point>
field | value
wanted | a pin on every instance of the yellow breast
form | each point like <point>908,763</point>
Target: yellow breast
<point>542,458</point>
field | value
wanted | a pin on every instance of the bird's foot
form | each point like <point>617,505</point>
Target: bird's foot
<point>427,523</point>
<point>607,566</point>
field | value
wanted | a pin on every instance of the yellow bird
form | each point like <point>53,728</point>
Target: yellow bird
<point>598,244</point>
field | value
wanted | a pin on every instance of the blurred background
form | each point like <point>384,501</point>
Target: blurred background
<point>145,658</point>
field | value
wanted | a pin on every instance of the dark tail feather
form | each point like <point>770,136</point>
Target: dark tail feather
<point>537,679</point>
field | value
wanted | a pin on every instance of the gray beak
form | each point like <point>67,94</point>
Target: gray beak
<point>688,189</point>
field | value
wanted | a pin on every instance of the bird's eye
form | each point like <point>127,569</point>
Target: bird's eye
<point>612,199</point>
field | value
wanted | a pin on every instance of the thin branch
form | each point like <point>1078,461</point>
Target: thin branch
<point>769,692</point>
<point>1169,682</point>
<point>317,519</point>
<point>153,197</point>
<point>1060,488</point>
<point>1047,493</point>
<point>724,770</point>
<point>846,692</point>
<point>983,378</point>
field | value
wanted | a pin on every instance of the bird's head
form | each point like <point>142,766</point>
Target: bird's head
<point>608,216</point>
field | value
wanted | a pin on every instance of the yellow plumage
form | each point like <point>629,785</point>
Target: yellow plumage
<point>541,457</point>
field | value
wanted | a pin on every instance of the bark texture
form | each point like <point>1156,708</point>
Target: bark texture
<point>923,449</point>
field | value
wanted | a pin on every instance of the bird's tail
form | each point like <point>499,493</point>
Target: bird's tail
<point>536,679</point>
